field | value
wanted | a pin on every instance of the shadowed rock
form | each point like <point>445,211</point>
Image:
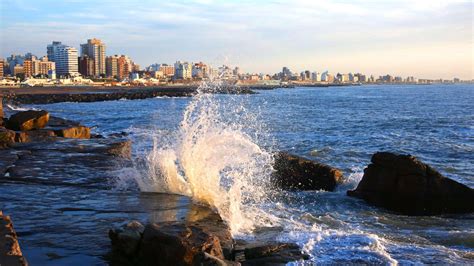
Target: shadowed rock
<point>28,120</point>
<point>296,173</point>
<point>404,184</point>
<point>7,138</point>
<point>10,252</point>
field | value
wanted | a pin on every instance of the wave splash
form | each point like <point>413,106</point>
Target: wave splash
<point>214,157</point>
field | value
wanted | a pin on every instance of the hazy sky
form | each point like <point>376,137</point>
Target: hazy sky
<point>428,38</point>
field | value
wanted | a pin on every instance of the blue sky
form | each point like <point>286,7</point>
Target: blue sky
<point>423,38</point>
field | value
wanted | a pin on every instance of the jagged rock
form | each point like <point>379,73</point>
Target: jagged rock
<point>120,149</point>
<point>10,252</point>
<point>177,244</point>
<point>404,184</point>
<point>28,120</point>
<point>296,173</point>
<point>127,239</point>
<point>268,253</point>
<point>7,138</point>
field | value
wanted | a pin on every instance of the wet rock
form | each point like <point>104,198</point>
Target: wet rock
<point>34,135</point>
<point>404,184</point>
<point>10,252</point>
<point>28,120</point>
<point>7,138</point>
<point>177,244</point>
<point>127,239</point>
<point>120,149</point>
<point>268,253</point>
<point>296,173</point>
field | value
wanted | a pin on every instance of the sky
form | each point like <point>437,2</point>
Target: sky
<point>424,38</point>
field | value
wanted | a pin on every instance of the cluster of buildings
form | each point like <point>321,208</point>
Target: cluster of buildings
<point>63,64</point>
<point>339,78</point>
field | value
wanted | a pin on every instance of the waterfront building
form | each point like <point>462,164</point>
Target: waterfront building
<point>65,58</point>
<point>286,73</point>
<point>124,66</point>
<point>95,49</point>
<point>183,70</point>
<point>200,70</point>
<point>18,70</point>
<point>111,66</point>
<point>28,67</point>
<point>44,66</point>
<point>316,77</point>
<point>2,65</point>
<point>87,66</point>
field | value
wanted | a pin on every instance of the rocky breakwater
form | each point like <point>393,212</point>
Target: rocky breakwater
<point>10,252</point>
<point>203,240</point>
<point>297,173</point>
<point>404,184</point>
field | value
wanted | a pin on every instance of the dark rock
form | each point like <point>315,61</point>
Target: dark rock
<point>297,173</point>
<point>127,239</point>
<point>177,244</point>
<point>7,138</point>
<point>28,120</point>
<point>10,252</point>
<point>268,253</point>
<point>404,184</point>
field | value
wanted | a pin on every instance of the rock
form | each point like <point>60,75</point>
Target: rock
<point>10,252</point>
<point>297,173</point>
<point>120,149</point>
<point>75,132</point>
<point>28,120</point>
<point>127,239</point>
<point>1,106</point>
<point>7,138</point>
<point>404,184</point>
<point>268,253</point>
<point>34,135</point>
<point>177,244</point>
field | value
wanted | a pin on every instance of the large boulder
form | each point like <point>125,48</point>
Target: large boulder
<point>28,120</point>
<point>404,184</point>
<point>297,173</point>
<point>74,132</point>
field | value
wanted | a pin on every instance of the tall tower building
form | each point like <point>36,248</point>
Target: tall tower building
<point>65,58</point>
<point>111,66</point>
<point>95,49</point>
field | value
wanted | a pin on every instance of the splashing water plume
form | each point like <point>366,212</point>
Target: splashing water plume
<point>214,158</point>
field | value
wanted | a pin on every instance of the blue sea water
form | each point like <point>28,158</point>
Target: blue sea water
<point>343,127</point>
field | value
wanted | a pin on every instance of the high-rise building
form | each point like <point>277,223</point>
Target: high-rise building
<point>13,61</point>
<point>65,58</point>
<point>183,70</point>
<point>168,71</point>
<point>28,67</point>
<point>2,65</point>
<point>86,66</point>
<point>124,65</point>
<point>111,66</point>
<point>95,49</point>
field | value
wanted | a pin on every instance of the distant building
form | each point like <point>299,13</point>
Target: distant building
<point>286,73</point>
<point>65,58</point>
<point>316,76</point>
<point>124,67</point>
<point>2,65</point>
<point>28,68</point>
<point>200,70</point>
<point>87,66</point>
<point>111,66</point>
<point>95,49</point>
<point>13,61</point>
<point>183,70</point>
<point>44,66</point>
<point>18,70</point>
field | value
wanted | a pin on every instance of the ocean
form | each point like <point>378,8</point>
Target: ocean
<point>217,149</point>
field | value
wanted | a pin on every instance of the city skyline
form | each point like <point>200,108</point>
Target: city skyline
<point>429,39</point>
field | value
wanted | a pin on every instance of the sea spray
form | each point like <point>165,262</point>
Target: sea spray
<point>215,157</point>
